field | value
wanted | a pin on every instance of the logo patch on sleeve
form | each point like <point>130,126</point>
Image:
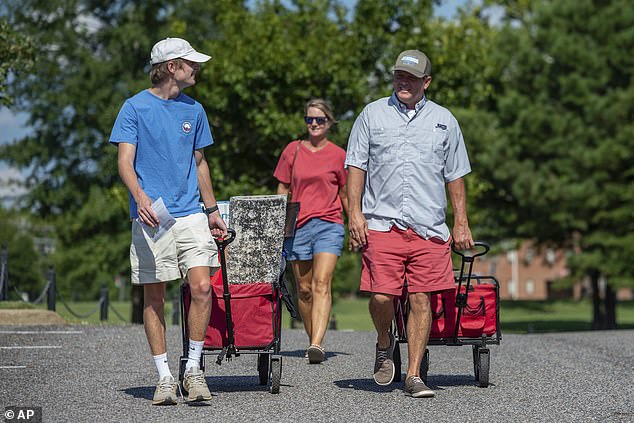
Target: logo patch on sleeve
<point>441,126</point>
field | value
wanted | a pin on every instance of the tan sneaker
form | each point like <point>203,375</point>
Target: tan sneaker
<point>165,393</point>
<point>415,387</point>
<point>384,369</point>
<point>195,385</point>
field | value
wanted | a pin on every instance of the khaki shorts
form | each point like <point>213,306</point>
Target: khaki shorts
<point>187,244</point>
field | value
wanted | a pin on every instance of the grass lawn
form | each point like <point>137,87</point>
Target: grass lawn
<point>89,311</point>
<point>557,316</point>
<point>515,316</point>
<point>352,314</point>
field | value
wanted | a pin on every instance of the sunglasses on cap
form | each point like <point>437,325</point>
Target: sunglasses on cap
<point>320,120</point>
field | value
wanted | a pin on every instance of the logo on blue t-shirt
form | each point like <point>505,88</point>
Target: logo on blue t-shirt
<point>186,127</point>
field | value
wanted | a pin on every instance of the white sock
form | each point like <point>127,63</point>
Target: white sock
<point>162,365</point>
<point>194,354</point>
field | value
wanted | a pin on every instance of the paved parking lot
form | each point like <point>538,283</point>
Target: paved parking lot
<point>105,373</point>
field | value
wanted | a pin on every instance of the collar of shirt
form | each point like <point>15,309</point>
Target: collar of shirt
<point>403,108</point>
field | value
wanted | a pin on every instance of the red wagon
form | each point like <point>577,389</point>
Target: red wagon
<point>245,319</point>
<point>466,315</point>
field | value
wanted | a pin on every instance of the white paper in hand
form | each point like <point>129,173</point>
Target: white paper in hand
<point>166,221</point>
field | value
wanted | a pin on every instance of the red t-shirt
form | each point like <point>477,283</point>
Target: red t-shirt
<point>317,178</point>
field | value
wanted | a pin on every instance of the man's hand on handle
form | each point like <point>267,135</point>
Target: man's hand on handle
<point>217,225</point>
<point>462,238</point>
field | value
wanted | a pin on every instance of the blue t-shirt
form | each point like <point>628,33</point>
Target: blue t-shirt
<point>165,133</point>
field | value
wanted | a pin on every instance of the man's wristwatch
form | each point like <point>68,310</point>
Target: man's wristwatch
<point>210,210</point>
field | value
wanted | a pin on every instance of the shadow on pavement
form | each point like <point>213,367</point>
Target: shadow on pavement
<point>215,383</point>
<point>300,353</point>
<point>146,392</point>
<point>366,385</point>
<point>238,383</point>
<point>438,381</point>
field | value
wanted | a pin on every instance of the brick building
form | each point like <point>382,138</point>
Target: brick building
<point>530,273</point>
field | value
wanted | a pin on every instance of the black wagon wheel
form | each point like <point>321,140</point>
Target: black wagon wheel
<point>483,364</point>
<point>424,366</point>
<point>397,362</point>
<point>476,358</point>
<point>276,373</point>
<point>263,368</point>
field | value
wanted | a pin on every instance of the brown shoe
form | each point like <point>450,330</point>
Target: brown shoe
<point>384,369</point>
<point>415,387</point>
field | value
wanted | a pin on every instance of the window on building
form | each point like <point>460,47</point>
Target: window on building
<point>528,256</point>
<point>530,287</point>
<point>512,289</point>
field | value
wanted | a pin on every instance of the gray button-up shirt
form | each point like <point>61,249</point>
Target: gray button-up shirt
<point>408,162</point>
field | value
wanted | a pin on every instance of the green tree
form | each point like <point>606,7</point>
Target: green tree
<point>267,63</point>
<point>559,166</point>
<point>16,57</point>
<point>90,56</point>
<point>25,266</point>
<point>269,59</point>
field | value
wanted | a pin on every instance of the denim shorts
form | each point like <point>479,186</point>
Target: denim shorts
<point>316,236</point>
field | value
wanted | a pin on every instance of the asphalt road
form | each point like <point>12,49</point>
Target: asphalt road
<point>106,374</point>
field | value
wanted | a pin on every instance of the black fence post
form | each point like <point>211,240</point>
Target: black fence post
<point>104,304</point>
<point>137,304</point>
<point>333,322</point>
<point>4,274</point>
<point>176,311</point>
<point>52,289</point>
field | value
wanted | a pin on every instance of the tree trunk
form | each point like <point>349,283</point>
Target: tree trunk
<point>598,317</point>
<point>610,307</point>
<point>137,304</point>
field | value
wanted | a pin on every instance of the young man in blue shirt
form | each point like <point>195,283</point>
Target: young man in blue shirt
<point>160,134</point>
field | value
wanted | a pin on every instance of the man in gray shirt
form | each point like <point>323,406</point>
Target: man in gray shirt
<point>402,151</point>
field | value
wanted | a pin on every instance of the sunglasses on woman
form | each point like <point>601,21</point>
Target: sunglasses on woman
<point>320,120</point>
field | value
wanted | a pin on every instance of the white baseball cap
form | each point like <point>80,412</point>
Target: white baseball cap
<point>175,48</point>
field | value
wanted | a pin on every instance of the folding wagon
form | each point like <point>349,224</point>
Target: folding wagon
<point>466,315</point>
<point>248,292</point>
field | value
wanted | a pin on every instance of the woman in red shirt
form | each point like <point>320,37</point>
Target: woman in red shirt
<point>313,171</point>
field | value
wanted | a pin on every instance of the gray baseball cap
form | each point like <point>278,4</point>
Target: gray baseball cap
<point>414,62</point>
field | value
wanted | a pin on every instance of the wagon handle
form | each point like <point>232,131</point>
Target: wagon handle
<point>223,242</point>
<point>461,298</point>
<point>230,349</point>
<point>476,244</point>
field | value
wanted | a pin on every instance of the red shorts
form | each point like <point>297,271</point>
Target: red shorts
<point>390,258</point>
